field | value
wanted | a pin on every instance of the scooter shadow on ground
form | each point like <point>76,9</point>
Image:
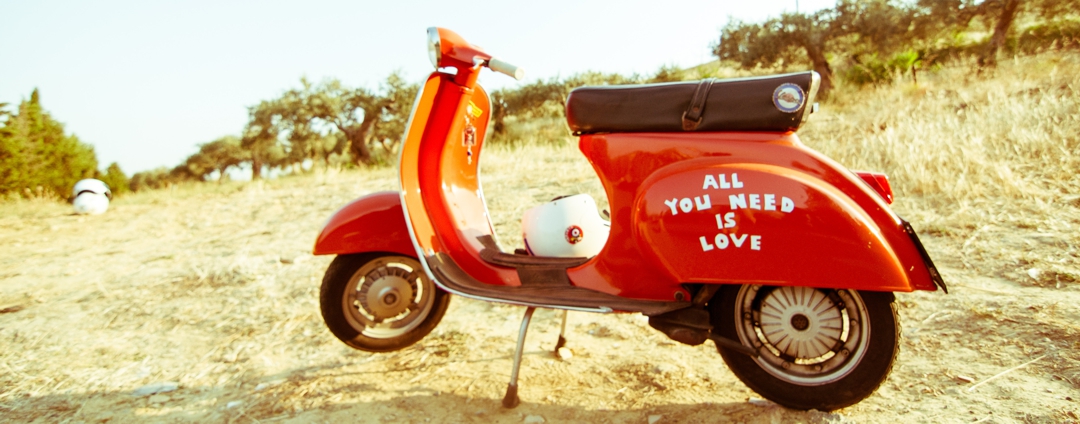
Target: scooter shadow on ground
<point>295,401</point>
<point>457,408</point>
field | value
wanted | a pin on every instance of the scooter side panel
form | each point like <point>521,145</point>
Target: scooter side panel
<point>624,161</point>
<point>711,222</point>
<point>373,223</point>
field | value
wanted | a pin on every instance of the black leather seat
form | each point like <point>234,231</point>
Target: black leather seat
<point>742,104</point>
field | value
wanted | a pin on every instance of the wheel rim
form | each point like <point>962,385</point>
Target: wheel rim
<point>388,297</point>
<point>803,335</point>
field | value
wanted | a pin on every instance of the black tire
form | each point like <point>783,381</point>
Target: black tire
<point>818,349</point>
<point>380,302</point>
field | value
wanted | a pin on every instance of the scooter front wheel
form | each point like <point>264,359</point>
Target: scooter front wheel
<point>817,348</point>
<point>380,302</point>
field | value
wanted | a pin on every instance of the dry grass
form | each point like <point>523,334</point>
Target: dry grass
<point>212,287</point>
<point>980,160</point>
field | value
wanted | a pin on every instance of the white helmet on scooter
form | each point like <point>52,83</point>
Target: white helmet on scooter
<point>91,196</point>
<point>565,227</point>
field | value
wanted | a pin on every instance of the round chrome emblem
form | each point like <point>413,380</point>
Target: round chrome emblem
<point>788,97</point>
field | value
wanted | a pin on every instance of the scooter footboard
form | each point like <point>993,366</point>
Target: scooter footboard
<point>452,278</point>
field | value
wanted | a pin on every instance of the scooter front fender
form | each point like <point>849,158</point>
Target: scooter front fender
<point>373,223</point>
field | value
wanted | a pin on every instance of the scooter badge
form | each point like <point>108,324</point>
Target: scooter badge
<point>788,97</point>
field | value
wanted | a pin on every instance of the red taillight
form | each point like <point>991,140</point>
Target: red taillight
<point>879,182</point>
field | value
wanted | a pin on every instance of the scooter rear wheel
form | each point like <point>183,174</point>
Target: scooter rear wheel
<point>380,302</point>
<point>817,348</point>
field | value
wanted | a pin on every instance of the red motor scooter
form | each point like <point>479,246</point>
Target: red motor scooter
<point>723,227</point>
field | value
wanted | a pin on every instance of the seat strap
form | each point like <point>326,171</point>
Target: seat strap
<point>696,111</point>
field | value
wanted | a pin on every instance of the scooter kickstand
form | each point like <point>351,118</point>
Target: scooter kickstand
<point>511,399</point>
<point>562,333</point>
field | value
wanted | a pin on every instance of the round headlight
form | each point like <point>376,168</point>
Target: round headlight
<point>434,48</point>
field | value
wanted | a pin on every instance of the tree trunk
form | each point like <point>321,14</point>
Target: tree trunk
<point>821,66</point>
<point>1001,30</point>
<point>498,118</point>
<point>358,140</point>
<point>256,167</point>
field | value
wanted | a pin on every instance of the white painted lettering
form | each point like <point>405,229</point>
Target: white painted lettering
<point>703,202</point>
<point>738,240</point>
<point>737,201</point>
<point>723,181</point>
<point>710,181</point>
<point>786,205</point>
<point>671,204</point>
<point>721,241</point>
<point>686,205</point>
<point>720,181</point>
<point>725,221</point>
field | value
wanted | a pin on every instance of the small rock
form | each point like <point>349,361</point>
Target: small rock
<point>1034,273</point>
<point>564,353</point>
<point>287,261</point>
<point>153,389</point>
<point>759,402</point>
<point>653,419</point>
<point>11,309</point>
<point>267,384</point>
<point>234,404</point>
<point>159,398</point>
<point>534,419</point>
<point>965,379</point>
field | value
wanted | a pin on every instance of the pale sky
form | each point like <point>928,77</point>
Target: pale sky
<point>146,82</point>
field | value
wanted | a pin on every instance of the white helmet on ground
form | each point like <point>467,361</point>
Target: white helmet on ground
<point>91,196</point>
<point>565,227</point>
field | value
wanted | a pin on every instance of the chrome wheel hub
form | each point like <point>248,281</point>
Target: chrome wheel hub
<point>803,335</point>
<point>388,297</point>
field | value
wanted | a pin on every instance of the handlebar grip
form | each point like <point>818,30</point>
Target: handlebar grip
<point>506,68</point>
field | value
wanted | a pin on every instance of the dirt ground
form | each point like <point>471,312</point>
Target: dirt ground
<point>201,304</point>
